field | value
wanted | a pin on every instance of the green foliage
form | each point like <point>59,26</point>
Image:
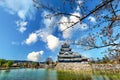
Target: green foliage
<point>5,63</point>
<point>2,62</point>
<point>33,63</point>
<point>49,61</point>
<point>9,63</point>
<point>37,64</point>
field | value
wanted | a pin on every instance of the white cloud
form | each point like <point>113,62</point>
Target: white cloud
<point>21,25</point>
<point>21,14</point>
<point>22,29</point>
<point>31,39</point>
<point>92,19</point>
<point>49,21</point>
<point>79,2</point>
<point>42,34</point>
<point>73,18</point>
<point>35,56</point>
<point>22,8</point>
<point>52,42</point>
<point>68,33</point>
<point>45,34</point>
<point>63,26</point>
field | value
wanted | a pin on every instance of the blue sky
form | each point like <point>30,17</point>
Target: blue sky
<point>25,33</point>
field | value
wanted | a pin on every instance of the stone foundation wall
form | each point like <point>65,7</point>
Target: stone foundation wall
<point>83,66</point>
<point>73,66</point>
<point>106,66</point>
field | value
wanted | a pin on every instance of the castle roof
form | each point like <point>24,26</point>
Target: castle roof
<point>67,55</point>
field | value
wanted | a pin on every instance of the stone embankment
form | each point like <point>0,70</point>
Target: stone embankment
<point>88,67</point>
<point>106,67</point>
<point>73,66</point>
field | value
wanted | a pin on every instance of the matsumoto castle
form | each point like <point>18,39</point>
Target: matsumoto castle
<point>67,55</point>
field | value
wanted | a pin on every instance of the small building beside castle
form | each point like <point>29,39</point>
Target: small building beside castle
<point>67,55</point>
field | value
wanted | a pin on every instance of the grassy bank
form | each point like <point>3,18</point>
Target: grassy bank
<point>74,75</point>
<point>88,75</point>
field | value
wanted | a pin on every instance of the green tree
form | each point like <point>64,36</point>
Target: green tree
<point>49,61</point>
<point>37,64</point>
<point>8,63</point>
<point>33,64</point>
<point>2,62</point>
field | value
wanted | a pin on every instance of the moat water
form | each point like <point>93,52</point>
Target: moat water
<point>45,74</point>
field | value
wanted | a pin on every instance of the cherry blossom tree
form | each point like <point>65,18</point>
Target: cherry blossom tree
<point>104,32</point>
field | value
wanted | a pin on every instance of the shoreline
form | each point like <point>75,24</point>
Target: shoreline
<point>76,67</point>
<point>4,68</point>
